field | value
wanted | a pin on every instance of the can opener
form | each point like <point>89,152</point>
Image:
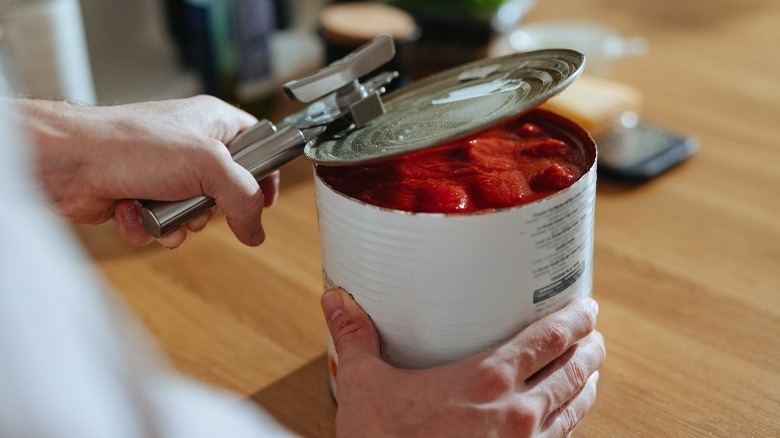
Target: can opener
<point>339,99</point>
<point>351,124</point>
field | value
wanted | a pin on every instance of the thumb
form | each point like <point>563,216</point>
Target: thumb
<point>350,327</point>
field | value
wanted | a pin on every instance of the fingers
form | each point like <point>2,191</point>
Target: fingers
<point>173,239</point>
<point>351,329</point>
<point>565,419</point>
<point>548,338</point>
<point>208,168</point>
<point>270,187</point>
<point>199,222</point>
<point>236,192</point>
<point>568,374</point>
<point>132,231</point>
<point>243,204</point>
<point>245,222</point>
<point>237,195</point>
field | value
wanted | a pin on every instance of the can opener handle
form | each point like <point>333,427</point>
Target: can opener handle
<point>264,147</point>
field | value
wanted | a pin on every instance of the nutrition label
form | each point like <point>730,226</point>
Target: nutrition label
<point>561,235</point>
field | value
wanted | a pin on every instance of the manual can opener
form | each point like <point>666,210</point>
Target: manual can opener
<point>339,99</point>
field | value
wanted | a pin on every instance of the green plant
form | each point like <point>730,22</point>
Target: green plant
<point>450,9</point>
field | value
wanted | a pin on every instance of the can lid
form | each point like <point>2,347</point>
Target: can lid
<point>452,104</point>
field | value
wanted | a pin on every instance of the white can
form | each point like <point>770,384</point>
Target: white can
<point>439,287</point>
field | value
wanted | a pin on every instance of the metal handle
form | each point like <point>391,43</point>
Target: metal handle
<point>266,156</point>
<point>259,131</point>
<point>261,149</point>
<point>260,158</point>
<point>342,72</point>
<point>161,217</point>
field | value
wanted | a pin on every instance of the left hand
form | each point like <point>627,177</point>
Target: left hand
<point>540,383</point>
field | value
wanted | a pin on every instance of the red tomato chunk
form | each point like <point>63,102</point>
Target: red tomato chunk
<point>500,168</point>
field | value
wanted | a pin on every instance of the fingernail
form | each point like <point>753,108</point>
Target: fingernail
<point>165,244</point>
<point>258,236</point>
<point>268,201</point>
<point>332,304</point>
<point>131,214</point>
<point>594,305</point>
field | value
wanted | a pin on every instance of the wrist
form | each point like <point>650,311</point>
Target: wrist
<point>56,130</point>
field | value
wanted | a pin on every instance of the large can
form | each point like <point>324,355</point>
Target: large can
<point>442,286</point>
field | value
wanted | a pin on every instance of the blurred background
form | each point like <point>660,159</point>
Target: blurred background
<point>115,51</point>
<point>126,51</point>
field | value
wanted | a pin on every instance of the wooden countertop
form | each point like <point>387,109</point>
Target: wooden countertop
<point>687,266</point>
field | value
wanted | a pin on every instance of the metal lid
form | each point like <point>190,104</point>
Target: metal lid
<point>453,104</point>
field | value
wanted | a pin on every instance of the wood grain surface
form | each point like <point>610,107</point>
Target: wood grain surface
<point>687,266</point>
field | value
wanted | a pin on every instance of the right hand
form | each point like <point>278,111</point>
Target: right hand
<point>95,161</point>
<point>540,383</point>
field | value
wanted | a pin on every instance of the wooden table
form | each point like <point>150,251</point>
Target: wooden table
<point>687,266</point>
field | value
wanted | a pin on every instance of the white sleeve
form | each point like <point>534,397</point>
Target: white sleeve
<point>73,361</point>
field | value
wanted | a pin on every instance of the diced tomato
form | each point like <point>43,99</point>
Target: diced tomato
<point>531,130</point>
<point>546,148</point>
<point>553,177</point>
<point>442,197</point>
<point>490,154</point>
<point>499,190</point>
<point>504,167</point>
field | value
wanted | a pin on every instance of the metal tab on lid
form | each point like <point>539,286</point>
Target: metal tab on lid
<point>453,104</point>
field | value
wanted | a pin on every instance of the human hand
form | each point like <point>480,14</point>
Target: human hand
<point>539,383</point>
<point>95,161</point>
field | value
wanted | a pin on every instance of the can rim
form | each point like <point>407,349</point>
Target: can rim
<point>547,117</point>
<point>451,105</point>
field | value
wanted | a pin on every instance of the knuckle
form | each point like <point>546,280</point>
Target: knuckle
<point>221,173</point>
<point>211,155</point>
<point>521,420</point>
<point>351,328</point>
<point>216,150</point>
<point>257,199</point>
<point>528,356</point>
<point>576,373</point>
<point>556,335</point>
<point>568,419</point>
<point>589,317</point>
<point>493,379</point>
<point>205,99</point>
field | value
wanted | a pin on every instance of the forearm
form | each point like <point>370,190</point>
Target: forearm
<point>89,157</point>
<point>59,134</point>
